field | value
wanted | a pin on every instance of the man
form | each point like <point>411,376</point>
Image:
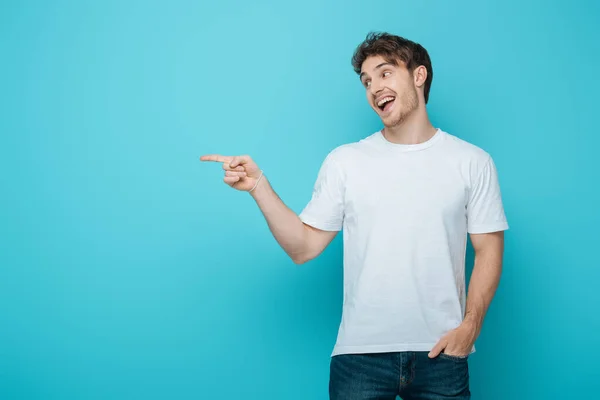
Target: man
<point>405,198</point>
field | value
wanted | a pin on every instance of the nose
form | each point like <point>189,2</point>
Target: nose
<point>376,87</point>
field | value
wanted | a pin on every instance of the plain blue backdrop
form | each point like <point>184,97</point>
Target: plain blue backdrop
<point>129,270</point>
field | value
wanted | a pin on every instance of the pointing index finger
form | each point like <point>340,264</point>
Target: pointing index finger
<point>215,158</point>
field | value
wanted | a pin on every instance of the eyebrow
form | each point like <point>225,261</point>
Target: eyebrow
<point>377,67</point>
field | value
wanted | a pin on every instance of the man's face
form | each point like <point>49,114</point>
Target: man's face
<point>390,90</point>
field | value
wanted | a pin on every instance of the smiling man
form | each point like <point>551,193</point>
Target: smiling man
<point>406,198</point>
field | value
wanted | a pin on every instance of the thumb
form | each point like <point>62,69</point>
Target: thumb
<point>437,349</point>
<point>239,160</point>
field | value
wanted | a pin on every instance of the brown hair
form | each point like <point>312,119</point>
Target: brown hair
<point>393,49</point>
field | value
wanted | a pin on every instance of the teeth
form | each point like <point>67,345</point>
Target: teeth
<point>384,100</point>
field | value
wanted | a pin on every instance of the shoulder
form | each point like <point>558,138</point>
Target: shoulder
<point>340,160</point>
<point>472,158</point>
<point>474,162</point>
<point>465,150</point>
<point>348,153</point>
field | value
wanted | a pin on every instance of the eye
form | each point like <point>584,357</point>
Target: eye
<point>367,83</point>
<point>386,73</point>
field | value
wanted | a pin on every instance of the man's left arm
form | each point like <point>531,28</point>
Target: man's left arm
<point>489,249</point>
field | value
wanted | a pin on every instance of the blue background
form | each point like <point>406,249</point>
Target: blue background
<point>128,270</point>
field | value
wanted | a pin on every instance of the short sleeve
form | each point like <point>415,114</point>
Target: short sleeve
<point>485,211</point>
<point>325,210</point>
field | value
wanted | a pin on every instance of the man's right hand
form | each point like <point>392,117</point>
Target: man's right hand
<point>241,172</point>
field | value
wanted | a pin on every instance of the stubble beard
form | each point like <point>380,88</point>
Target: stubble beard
<point>408,105</point>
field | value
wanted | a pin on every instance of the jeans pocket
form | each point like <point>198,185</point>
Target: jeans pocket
<point>453,358</point>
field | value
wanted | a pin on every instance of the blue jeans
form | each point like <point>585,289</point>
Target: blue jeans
<point>411,375</point>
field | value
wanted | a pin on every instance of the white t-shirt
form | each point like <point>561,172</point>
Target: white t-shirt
<point>405,211</point>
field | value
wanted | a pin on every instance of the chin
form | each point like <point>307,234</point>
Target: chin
<point>392,120</point>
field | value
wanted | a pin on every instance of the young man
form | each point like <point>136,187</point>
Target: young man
<point>405,198</point>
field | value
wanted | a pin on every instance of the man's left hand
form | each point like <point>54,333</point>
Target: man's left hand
<point>458,342</point>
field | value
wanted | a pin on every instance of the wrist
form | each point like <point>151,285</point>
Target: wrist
<point>472,323</point>
<point>259,187</point>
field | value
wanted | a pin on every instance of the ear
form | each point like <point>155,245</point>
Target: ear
<point>420,75</point>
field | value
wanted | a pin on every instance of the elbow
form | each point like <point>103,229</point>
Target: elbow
<point>306,251</point>
<point>300,258</point>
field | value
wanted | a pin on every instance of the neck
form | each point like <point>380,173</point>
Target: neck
<point>415,129</point>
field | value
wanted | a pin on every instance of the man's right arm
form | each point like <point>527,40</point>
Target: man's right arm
<point>300,241</point>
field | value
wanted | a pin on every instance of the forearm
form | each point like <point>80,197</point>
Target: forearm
<point>285,225</point>
<point>482,287</point>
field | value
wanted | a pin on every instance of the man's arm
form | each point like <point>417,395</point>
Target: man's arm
<point>489,248</point>
<point>300,241</point>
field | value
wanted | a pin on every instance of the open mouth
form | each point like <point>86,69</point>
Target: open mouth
<point>386,103</point>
